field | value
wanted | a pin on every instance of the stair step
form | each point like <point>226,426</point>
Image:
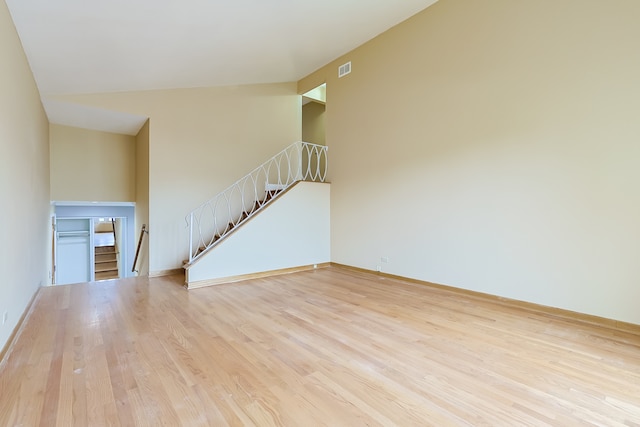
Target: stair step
<point>105,249</point>
<point>106,266</point>
<point>106,262</point>
<point>105,252</point>
<point>106,275</point>
<point>105,257</point>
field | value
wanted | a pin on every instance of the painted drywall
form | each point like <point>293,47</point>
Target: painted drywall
<point>102,227</point>
<point>318,94</point>
<point>493,146</point>
<point>291,232</point>
<point>313,123</point>
<point>24,181</point>
<point>90,165</point>
<point>142,197</point>
<point>201,140</point>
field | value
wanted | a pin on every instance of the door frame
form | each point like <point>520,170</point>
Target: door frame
<point>125,210</point>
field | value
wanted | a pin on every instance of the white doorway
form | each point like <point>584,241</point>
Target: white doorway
<point>81,245</point>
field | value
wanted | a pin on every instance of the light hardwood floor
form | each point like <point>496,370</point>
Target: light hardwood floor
<point>327,347</point>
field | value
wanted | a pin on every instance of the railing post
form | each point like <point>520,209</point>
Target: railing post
<point>325,149</point>
<point>300,176</point>
<point>191,237</point>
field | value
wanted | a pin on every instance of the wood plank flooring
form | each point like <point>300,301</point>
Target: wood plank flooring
<point>330,347</point>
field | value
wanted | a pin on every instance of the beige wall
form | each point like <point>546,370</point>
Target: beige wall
<point>201,141</point>
<point>313,123</point>
<point>89,165</point>
<point>142,196</point>
<point>24,181</point>
<point>494,146</point>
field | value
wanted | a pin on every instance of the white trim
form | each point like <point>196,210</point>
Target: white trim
<point>106,209</point>
<point>73,203</point>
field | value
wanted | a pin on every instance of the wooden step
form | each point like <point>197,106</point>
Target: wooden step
<point>106,266</point>
<point>106,263</point>
<point>106,275</point>
<point>105,249</point>
<point>105,257</point>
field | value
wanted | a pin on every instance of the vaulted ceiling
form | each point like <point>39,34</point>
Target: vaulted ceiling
<point>90,46</point>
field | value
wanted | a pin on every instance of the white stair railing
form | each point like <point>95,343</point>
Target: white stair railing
<point>210,222</point>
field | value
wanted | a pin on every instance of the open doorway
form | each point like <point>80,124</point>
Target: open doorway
<point>92,241</point>
<point>313,113</point>
<point>107,238</point>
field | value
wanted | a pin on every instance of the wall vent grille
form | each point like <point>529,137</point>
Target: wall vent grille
<point>344,69</point>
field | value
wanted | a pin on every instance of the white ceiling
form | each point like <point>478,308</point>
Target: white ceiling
<point>93,46</point>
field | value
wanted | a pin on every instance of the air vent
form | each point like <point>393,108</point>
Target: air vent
<point>344,69</point>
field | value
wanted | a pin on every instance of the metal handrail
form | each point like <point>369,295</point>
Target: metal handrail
<point>210,222</point>
<point>113,228</point>
<point>135,260</point>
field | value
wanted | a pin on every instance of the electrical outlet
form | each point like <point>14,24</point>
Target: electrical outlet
<point>384,259</point>
<point>5,316</point>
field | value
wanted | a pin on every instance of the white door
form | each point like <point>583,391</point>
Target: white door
<point>73,251</point>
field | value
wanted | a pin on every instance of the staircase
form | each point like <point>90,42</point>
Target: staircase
<point>290,234</point>
<point>269,195</point>
<point>210,223</point>
<point>106,263</point>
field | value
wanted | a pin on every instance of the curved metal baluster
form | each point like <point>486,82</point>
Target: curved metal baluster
<point>290,158</point>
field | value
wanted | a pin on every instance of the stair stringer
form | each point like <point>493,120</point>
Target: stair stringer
<point>293,231</point>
